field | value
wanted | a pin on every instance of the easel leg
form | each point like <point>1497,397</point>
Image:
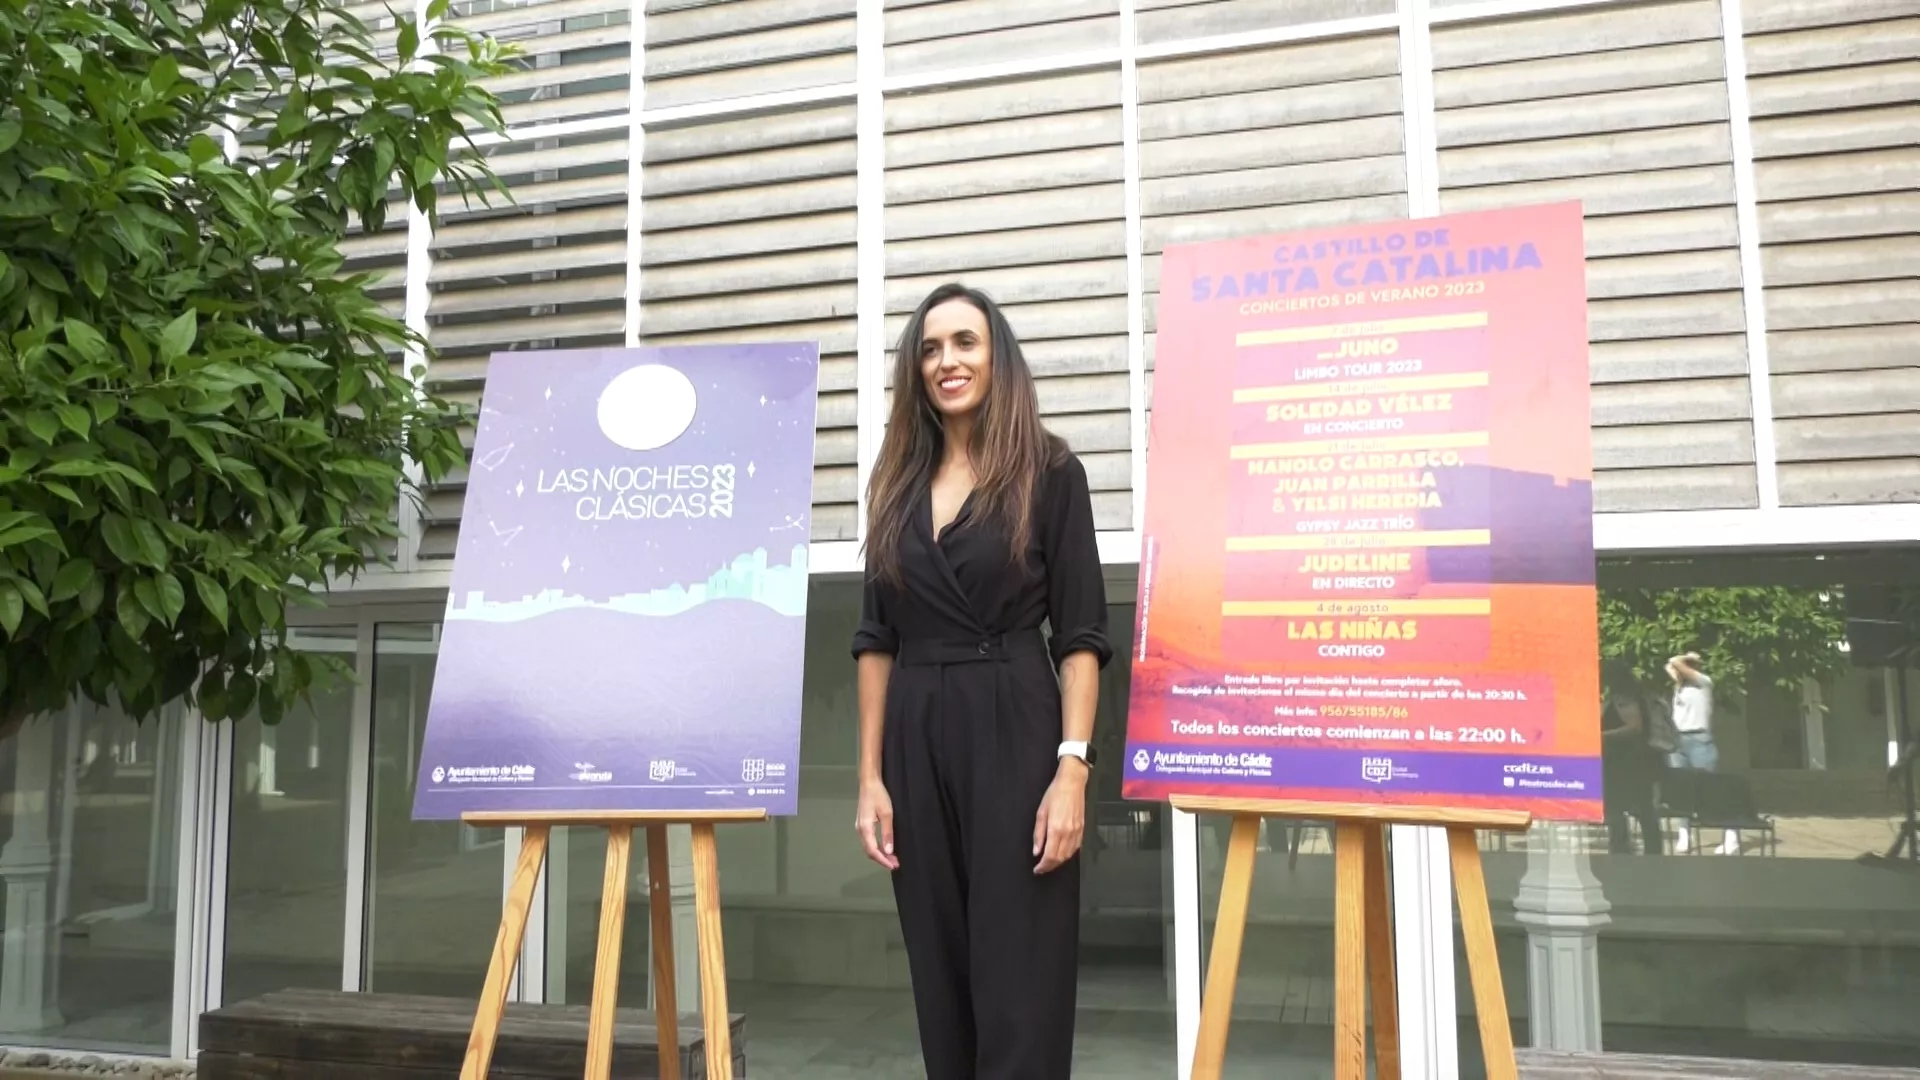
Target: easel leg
<point>1381,977</point>
<point>1229,931</point>
<point>666,998</point>
<point>606,965</point>
<point>1483,960</point>
<point>506,952</point>
<point>713,954</point>
<point>1349,951</point>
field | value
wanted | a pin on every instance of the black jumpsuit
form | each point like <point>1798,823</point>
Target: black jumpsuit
<point>970,744</point>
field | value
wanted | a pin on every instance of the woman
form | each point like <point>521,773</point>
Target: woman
<point>975,729</point>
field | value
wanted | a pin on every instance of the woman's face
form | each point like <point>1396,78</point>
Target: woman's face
<point>956,358</point>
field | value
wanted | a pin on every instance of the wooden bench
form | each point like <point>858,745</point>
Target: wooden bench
<point>1557,1065</point>
<point>329,1035</point>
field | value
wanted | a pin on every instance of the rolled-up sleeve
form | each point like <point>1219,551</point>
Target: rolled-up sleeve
<point>1076,588</point>
<point>875,633</point>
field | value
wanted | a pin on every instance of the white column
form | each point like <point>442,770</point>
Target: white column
<point>1813,724</point>
<point>269,764</point>
<point>1562,906</point>
<point>686,930</point>
<point>1423,953</point>
<point>1890,677</point>
<point>28,956</point>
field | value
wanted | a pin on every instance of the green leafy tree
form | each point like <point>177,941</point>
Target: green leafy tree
<point>201,421</point>
<point>1772,634</point>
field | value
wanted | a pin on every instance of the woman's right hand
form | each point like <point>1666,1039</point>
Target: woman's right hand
<point>875,815</point>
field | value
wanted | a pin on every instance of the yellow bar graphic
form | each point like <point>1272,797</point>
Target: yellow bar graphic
<point>1453,441</point>
<point>1256,394</point>
<point>1379,328</point>
<point>1342,541</point>
<point>1335,609</point>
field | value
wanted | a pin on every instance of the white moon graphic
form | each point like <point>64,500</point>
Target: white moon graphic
<point>647,407</point>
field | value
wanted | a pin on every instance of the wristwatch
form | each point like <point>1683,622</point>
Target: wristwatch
<point>1082,750</point>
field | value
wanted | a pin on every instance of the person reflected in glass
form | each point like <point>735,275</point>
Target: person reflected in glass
<point>1693,727</point>
<point>1628,763</point>
<point>975,728</point>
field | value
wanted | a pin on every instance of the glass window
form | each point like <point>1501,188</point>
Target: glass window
<point>1283,995</point>
<point>287,836</point>
<point>88,875</point>
<point>434,887</point>
<point>814,954</point>
<point>1748,900</point>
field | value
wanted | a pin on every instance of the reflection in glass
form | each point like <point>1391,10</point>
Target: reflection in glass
<point>89,869</point>
<point>434,887</point>
<point>286,857</point>
<point>1759,910</point>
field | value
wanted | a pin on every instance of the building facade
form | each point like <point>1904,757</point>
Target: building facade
<point>725,170</point>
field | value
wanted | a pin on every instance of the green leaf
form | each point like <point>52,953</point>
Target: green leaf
<point>22,534</point>
<point>152,544</point>
<point>203,148</point>
<point>44,425</point>
<point>69,55</point>
<point>129,613</point>
<point>178,337</point>
<point>72,579</point>
<point>13,608</point>
<point>166,72</point>
<point>93,271</point>
<point>119,535</point>
<point>212,597</point>
<point>148,594</point>
<point>9,134</point>
<point>35,599</point>
<point>86,340</point>
<point>409,41</point>
<point>173,598</point>
<point>76,418</point>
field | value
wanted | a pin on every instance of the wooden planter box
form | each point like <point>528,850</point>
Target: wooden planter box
<point>329,1035</point>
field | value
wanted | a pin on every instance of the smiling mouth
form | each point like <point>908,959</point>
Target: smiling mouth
<point>954,382</point>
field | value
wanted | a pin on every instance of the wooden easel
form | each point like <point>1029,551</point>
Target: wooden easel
<point>1362,928</point>
<point>613,922</point>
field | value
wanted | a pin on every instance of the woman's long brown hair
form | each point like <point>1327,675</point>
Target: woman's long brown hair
<point>1010,447</point>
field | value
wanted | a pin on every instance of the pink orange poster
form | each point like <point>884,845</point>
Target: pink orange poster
<point>1367,570</point>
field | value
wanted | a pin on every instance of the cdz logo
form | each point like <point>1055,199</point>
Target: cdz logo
<point>660,771</point>
<point>753,770</point>
<point>1376,770</point>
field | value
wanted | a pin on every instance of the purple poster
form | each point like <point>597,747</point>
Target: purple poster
<point>627,617</point>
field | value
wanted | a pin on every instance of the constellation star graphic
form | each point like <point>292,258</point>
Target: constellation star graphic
<point>506,536</point>
<point>494,458</point>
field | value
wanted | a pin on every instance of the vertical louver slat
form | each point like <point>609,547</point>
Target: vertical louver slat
<point>544,271</point>
<point>1835,92</point>
<point>749,236</point>
<point>1016,188</point>
<point>1626,109</point>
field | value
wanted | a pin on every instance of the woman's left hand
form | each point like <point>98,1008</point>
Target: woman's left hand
<point>1062,819</point>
